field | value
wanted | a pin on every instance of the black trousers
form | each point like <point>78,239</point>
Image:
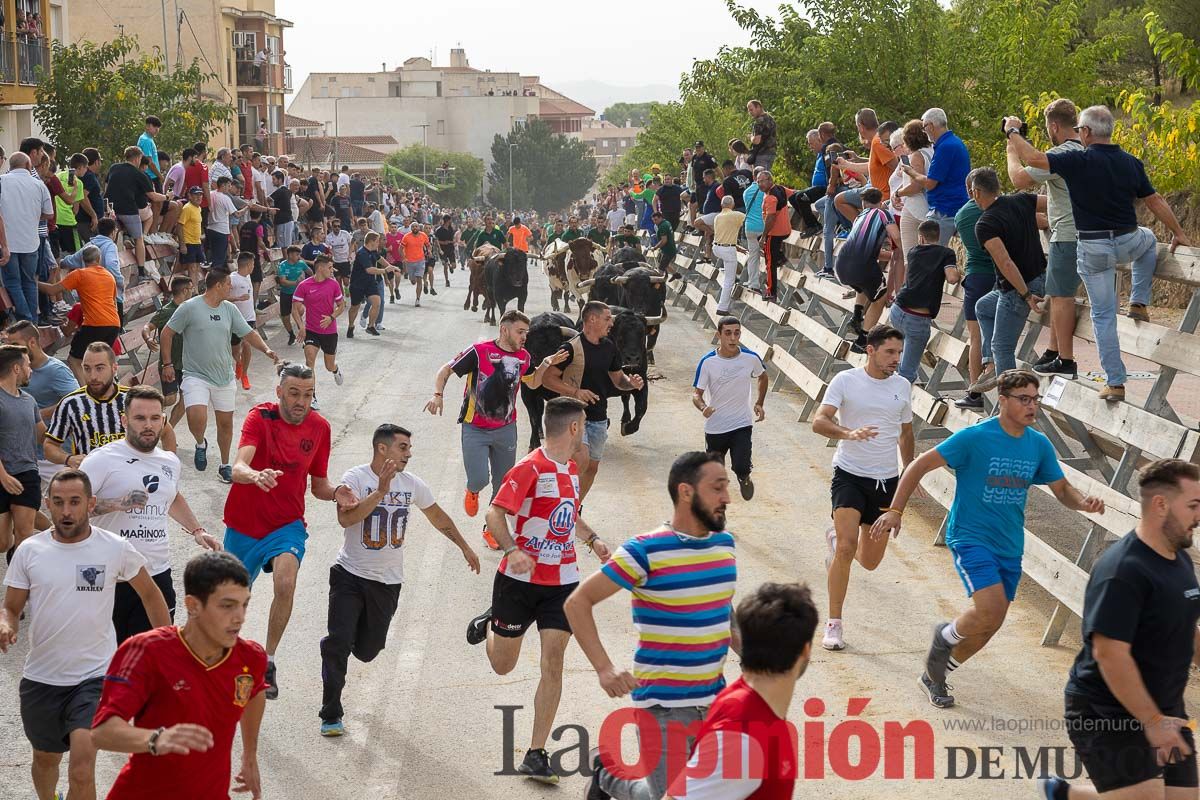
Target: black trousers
<point>360,613</point>
<point>738,444</point>
<point>802,201</point>
<point>773,259</point>
<point>129,615</point>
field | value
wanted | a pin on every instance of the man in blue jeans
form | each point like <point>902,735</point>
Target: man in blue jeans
<point>24,202</point>
<point>945,181</point>
<point>1008,230</point>
<point>1104,182</point>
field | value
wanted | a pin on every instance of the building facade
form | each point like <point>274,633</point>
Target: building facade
<point>457,107</point>
<point>608,142</point>
<point>29,27</point>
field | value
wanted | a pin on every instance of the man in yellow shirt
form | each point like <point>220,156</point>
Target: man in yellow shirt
<point>188,232</point>
<point>726,226</point>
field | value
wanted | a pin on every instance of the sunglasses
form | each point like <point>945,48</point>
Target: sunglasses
<point>1078,128</point>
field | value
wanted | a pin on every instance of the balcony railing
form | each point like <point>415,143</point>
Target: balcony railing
<point>253,71</point>
<point>20,58</point>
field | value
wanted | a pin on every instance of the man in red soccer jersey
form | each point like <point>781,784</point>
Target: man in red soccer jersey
<point>282,445</point>
<point>202,672</point>
<point>538,571</point>
<point>745,748</point>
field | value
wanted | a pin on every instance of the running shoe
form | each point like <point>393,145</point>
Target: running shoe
<point>831,544</point>
<point>433,291</point>
<point>832,640</point>
<point>339,378</point>
<point>1053,788</point>
<point>477,628</point>
<point>939,693</point>
<point>245,381</point>
<point>272,681</point>
<point>362,323</point>
<point>349,332</point>
<point>471,502</point>
<point>315,405</point>
<point>373,331</point>
<point>379,326</point>
<point>972,402</point>
<point>1046,357</point>
<point>938,656</point>
<point>237,370</point>
<point>536,766</point>
<point>200,458</point>
<point>292,337</point>
<point>594,791</point>
<point>1066,367</point>
<point>417,304</point>
<point>335,728</point>
<point>225,473</point>
<point>490,540</point>
<point>747,486</point>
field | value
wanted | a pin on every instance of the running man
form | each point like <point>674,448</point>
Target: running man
<point>415,245</point>
<point>364,284</point>
<point>1125,709</point>
<point>208,323</point>
<point>288,275</point>
<point>282,444</point>
<point>20,428</point>
<point>317,305</point>
<point>681,576</point>
<point>225,676</point>
<point>494,371</point>
<point>873,406</point>
<point>538,571</point>
<point>365,580</point>
<point>994,463</point>
<point>65,579</point>
<point>136,486</point>
<point>725,376</point>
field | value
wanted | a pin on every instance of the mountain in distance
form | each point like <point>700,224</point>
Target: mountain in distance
<point>598,95</point>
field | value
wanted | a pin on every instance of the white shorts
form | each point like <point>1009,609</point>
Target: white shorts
<point>199,392</point>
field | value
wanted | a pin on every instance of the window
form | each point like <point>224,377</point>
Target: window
<point>604,143</point>
<point>245,40</point>
<point>441,127</point>
<point>324,91</point>
<point>242,105</point>
<point>370,79</point>
<point>624,143</point>
<point>273,44</point>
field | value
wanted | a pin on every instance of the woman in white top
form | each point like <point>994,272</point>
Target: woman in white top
<point>910,197</point>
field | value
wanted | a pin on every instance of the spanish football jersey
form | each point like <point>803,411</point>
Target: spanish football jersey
<point>541,497</point>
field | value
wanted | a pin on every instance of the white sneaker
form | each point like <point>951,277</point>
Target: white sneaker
<point>338,378</point>
<point>379,326</point>
<point>315,407</point>
<point>831,542</point>
<point>362,323</point>
<point>833,636</point>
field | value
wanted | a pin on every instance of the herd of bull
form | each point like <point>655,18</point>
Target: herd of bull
<point>580,270</point>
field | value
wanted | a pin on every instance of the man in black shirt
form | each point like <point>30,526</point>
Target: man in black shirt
<point>927,268</point>
<point>1124,699</point>
<point>1008,230</point>
<point>358,195</point>
<point>591,382</point>
<point>668,201</point>
<point>701,161</point>
<point>130,192</point>
<point>444,234</point>
<point>763,136</point>
<point>281,201</point>
<point>734,183</point>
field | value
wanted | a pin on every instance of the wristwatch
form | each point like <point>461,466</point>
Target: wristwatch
<point>152,744</point>
<point>1027,294</point>
<point>1011,131</point>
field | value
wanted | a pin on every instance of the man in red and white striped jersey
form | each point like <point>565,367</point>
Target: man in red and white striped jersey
<point>539,569</point>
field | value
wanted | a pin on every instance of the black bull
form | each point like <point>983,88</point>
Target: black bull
<point>547,333</point>
<point>505,278</point>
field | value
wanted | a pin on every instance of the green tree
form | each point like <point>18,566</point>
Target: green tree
<point>465,179</point>
<point>636,114</point>
<point>550,171</point>
<point>98,95</point>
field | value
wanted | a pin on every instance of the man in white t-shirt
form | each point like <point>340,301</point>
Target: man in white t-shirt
<point>873,405</point>
<point>136,486</point>
<point>364,582</point>
<point>65,578</point>
<point>721,391</point>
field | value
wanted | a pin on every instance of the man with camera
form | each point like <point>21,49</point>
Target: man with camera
<point>1104,182</point>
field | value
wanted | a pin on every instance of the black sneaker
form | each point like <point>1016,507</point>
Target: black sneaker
<point>373,332</point>
<point>272,683</point>
<point>1066,367</point>
<point>350,332</point>
<point>1045,358</point>
<point>860,344</point>
<point>972,402</point>
<point>939,693</point>
<point>747,487</point>
<point>594,791</point>
<point>477,628</point>
<point>291,338</point>
<point>537,767</point>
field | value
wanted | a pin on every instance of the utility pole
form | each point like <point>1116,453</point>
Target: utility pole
<point>511,145</point>
<point>424,148</point>
<point>166,54</point>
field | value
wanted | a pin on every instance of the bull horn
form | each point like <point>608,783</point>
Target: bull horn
<point>585,284</point>
<point>598,247</point>
<point>621,280</point>
<point>657,279</point>
<point>570,333</point>
<point>656,320</point>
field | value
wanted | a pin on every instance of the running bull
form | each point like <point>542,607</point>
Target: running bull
<point>567,265</point>
<point>505,278</point>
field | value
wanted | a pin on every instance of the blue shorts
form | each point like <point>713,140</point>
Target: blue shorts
<point>975,286</point>
<point>256,554</point>
<point>595,436</point>
<point>979,568</point>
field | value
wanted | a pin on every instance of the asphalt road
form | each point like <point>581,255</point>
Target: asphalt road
<point>422,719</point>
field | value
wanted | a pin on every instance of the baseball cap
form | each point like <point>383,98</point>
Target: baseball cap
<point>196,190</point>
<point>655,166</point>
<point>698,144</point>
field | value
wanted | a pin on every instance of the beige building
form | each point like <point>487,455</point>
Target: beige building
<point>456,107</point>
<point>240,41</point>
<point>609,142</point>
<point>29,27</point>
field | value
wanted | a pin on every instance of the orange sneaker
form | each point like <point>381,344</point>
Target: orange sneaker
<point>490,540</point>
<point>245,381</point>
<point>237,370</point>
<point>471,503</point>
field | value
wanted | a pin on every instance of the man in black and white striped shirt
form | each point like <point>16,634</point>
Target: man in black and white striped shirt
<point>90,417</point>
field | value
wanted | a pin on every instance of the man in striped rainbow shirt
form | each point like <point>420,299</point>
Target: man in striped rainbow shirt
<point>681,576</point>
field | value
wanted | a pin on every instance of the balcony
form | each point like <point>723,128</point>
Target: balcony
<point>20,58</point>
<point>255,72</point>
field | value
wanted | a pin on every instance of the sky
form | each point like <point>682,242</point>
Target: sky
<point>624,42</point>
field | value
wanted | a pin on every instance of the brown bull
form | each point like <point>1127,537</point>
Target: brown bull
<point>475,264</point>
<point>567,266</point>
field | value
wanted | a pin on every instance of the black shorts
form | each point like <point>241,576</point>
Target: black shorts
<point>1113,748</point>
<point>51,713</point>
<point>868,496</point>
<point>518,604</point>
<point>976,286</point>
<point>327,342</point>
<point>285,305</point>
<point>192,254</point>
<point>866,279</point>
<point>359,294</point>
<point>93,333</point>
<point>341,269</point>
<point>256,274</point>
<point>129,615</point>
<point>30,496</point>
<point>168,387</point>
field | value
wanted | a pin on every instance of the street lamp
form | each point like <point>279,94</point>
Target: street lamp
<point>424,147</point>
<point>511,145</point>
<point>336,130</point>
